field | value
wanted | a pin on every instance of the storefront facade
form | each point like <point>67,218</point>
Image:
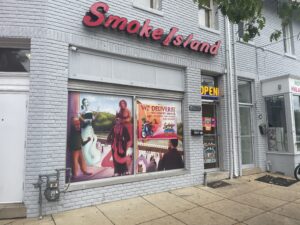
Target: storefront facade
<point>104,86</point>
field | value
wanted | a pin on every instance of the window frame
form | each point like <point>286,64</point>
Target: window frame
<point>158,11</point>
<point>213,18</point>
<point>249,105</point>
<point>15,43</point>
<point>89,87</point>
<point>288,40</point>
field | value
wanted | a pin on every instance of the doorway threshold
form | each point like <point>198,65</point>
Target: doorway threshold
<point>216,175</point>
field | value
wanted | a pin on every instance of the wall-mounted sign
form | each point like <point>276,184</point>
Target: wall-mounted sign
<point>195,108</point>
<point>196,132</point>
<point>96,17</point>
<point>211,92</point>
<point>295,86</point>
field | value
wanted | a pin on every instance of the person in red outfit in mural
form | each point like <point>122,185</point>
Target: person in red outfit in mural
<point>125,118</point>
<point>119,138</point>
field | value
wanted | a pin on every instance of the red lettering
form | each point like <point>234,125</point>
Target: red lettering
<point>204,47</point>
<point>115,22</point>
<point>188,40</point>
<point>146,29</point>
<point>157,34</point>
<point>89,19</point>
<point>96,17</point>
<point>133,27</point>
<point>214,48</point>
<point>195,45</point>
<point>170,36</point>
<point>178,40</point>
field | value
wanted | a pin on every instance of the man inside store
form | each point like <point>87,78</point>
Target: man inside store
<point>171,159</point>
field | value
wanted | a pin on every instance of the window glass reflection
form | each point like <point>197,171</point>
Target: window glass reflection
<point>277,131</point>
<point>14,60</point>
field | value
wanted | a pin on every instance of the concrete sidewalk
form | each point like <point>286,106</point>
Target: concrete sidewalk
<point>246,201</point>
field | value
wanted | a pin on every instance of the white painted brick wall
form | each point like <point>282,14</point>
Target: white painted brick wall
<point>55,24</point>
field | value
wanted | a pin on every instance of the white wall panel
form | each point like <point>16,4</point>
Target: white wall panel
<point>88,65</point>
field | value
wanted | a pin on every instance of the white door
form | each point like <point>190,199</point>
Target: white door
<point>12,146</point>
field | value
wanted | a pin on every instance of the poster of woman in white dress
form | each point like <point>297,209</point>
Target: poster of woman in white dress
<point>100,136</point>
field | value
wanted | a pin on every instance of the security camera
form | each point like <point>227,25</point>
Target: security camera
<point>73,48</point>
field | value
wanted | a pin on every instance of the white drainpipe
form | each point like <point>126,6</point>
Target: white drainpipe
<point>229,99</point>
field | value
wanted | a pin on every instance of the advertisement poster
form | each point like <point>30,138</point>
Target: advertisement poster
<point>210,155</point>
<point>156,121</point>
<point>100,136</point>
<point>160,132</point>
<point>208,123</point>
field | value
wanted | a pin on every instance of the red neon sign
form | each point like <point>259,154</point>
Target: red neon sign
<point>96,17</point>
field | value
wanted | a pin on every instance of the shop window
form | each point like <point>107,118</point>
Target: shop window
<point>101,136</point>
<point>207,15</point>
<point>277,129</point>
<point>14,60</point>
<point>296,103</point>
<point>160,135</point>
<point>288,40</point>
<point>151,4</point>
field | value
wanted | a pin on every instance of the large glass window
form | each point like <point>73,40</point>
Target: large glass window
<point>160,135</point>
<point>296,102</point>
<point>14,60</point>
<point>101,137</point>
<point>277,130</point>
<point>246,133</point>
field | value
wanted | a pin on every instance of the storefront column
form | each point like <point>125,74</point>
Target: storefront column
<point>193,120</point>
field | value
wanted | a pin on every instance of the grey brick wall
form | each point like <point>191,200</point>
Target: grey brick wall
<point>53,25</point>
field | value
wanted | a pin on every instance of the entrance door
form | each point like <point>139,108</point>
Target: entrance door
<point>12,150</point>
<point>210,138</point>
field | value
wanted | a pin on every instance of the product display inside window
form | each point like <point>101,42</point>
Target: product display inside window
<point>101,136</point>
<point>277,129</point>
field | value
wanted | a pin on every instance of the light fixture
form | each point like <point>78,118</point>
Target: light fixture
<point>73,48</point>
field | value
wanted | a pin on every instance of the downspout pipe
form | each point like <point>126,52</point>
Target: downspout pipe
<point>237,115</point>
<point>229,99</point>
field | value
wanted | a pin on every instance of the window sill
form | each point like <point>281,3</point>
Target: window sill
<point>125,179</point>
<point>290,56</point>
<point>212,30</point>
<point>251,43</point>
<point>14,74</point>
<point>153,11</point>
